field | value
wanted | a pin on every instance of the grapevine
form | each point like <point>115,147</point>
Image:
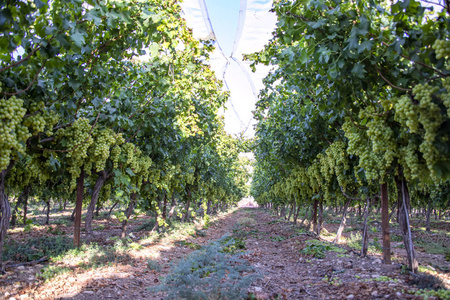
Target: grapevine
<point>13,134</point>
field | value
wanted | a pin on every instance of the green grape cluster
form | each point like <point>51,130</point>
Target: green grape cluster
<point>36,123</point>
<point>115,153</point>
<point>442,48</point>
<point>105,192</point>
<point>412,168</point>
<point>337,157</point>
<point>359,144</point>
<point>382,138</point>
<point>406,113</point>
<point>40,119</point>
<point>13,134</point>
<point>100,151</point>
<point>446,96</point>
<point>431,119</point>
<point>79,140</point>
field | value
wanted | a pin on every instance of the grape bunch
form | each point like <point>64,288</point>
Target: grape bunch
<point>360,145</point>
<point>442,48</point>
<point>78,140</point>
<point>431,119</point>
<point>406,113</point>
<point>104,139</point>
<point>382,138</point>
<point>13,134</point>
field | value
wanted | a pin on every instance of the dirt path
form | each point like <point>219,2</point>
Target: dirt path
<point>129,279</point>
<point>288,274</point>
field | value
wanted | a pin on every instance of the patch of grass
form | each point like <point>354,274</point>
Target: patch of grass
<point>189,245</point>
<point>153,265</point>
<point>55,231</point>
<point>245,221</point>
<point>277,238</point>
<point>147,226</point>
<point>62,221</point>
<point>49,272</point>
<point>434,247</point>
<point>209,273</point>
<point>350,229</point>
<point>95,255</point>
<point>233,245</point>
<point>355,241</point>
<point>36,248</point>
<point>316,248</point>
<point>100,227</point>
<point>396,238</point>
<point>275,221</point>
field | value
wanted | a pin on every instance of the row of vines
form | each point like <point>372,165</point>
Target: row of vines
<point>356,110</point>
<point>111,101</point>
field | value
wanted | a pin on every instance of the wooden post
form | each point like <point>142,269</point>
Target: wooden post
<point>365,233</point>
<point>314,215</point>
<point>385,224</point>
<point>78,207</point>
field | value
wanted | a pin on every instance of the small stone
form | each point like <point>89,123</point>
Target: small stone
<point>131,276</point>
<point>377,261</point>
<point>258,289</point>
<point>24,296</point>
<point>7,294</point>
<point>374,293</point>
<point>31,278</point>
<point>387,296</point>
<point>375,276</point>
<point>398,294</point>
<point>350,296</point>
<point>88,292</point>
<point>12,298</point>
<point>20,268</point>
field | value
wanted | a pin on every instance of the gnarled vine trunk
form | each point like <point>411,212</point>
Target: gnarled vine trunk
<point>90,210</point>
<point>23,197</point>
<point>314,215</point>
<point>305,216</point>
<point>78,208</point>
<point>128,213</point>
<point>365,233</point>
<point>403,220</point>
<point>320,223</point>
<point>5,212</point>
<point>429,214</point>
<point>343,221</point>
<point>385,224</point>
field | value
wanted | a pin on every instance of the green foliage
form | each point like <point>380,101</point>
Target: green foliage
<point>189,245</point>
<point>427,293</point>
<point>396,238</point>
<point>36,248</point>
<point>49,272</point>
<point>317,249</point>
<point>147,226</point>
<point>95,255</point>
<point>233,245</point>
<point>154,265</point>
<point>210,273</point>
<point>55,231</point>
<point>433,247</point>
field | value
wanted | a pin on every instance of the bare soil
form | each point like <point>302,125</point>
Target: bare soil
<point>273,248</point>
